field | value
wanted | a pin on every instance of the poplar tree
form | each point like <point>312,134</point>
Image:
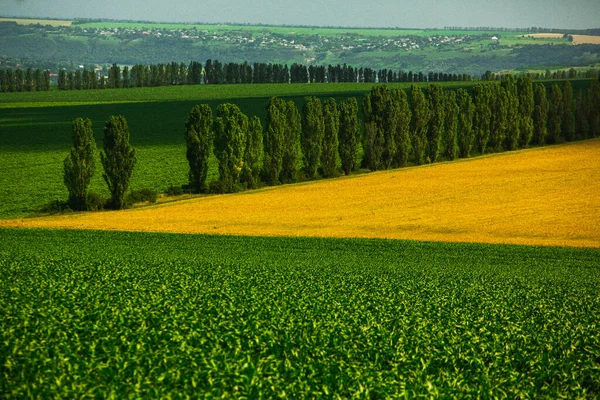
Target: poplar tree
<point>349,134</point>
<point>582,116</point>
<point>555,115</point>
<point>329,153</point>
<point>420,119</point>
<point>464,133</point>
<point>499,120</point>
<point>511,137</point>
<point>402,127</point>
<point>483,113</point>
<point>380,119</point>
<point>292,151</point>
<point>313,131</point>
<point>199,141</point>
<point>540,115</point>
<point>568,121</point>
<point>435,129</point>
<point>230,127</point>
<point>253,155</point>
<point>449,137</point>
<point>79,166</point>
<point>274,139</point>
<point>526,107</point>
<point>118,159</point>
<point>594,107</point>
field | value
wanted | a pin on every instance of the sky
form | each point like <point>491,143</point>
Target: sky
<point>576,14</point>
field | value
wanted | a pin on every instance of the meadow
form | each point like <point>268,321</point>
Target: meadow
<point>161,315</point>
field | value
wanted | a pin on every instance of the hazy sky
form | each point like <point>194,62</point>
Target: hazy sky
<point>380,13</point>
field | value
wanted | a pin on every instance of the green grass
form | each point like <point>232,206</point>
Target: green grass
<point>161,315</point>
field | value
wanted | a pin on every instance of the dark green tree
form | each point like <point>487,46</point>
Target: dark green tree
<point>499,120</point>
<point>230,127</point>
<point>435,129</point>
<point>313,131</point>
<point>511,138</point>
<point>380,118</point>
<point>253,155</point>
<point>540,115</point>
<point>568,121</point>
<point>402,127</point>
<point>199,141</point>
<point>349,134</point>
<point>118,159</point>
<point>464,131</point>
<point>329,152</point>
<point>526,107</point>
<point>292,149</point>
<point>449,137</point>
<point>80,165</point>
<point>555,115</point>
<point>419,124</point>
<point>482,95</point>
<point>582,117</point>
<point>114,77</point>
<point>274,139</point>
<point>594,107</point>
<point>29,83</point>
<point>19,80</point>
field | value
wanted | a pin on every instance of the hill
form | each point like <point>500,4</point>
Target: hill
<point>540,196</point>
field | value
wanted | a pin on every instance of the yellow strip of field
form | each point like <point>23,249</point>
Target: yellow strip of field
<point>543,196</point>
<point>51,22</point>
<point>586,39</point>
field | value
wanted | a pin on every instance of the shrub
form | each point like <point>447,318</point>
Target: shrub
<point>142,195</point>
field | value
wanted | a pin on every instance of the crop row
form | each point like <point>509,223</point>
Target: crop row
<point>204,316</point>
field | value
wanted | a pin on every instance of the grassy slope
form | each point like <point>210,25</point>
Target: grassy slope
<point>35,131</point>
<point>540,196</point>
<point>173,314</point>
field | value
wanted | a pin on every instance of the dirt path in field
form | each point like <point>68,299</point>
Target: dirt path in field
<point>545,196</point>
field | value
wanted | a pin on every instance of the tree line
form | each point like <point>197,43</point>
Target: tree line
<point>214,72</point>
<point>24,81</point>
<point>325,138</point>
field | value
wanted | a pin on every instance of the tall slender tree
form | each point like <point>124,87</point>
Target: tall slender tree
<point>594,107</point>
<point>499,120</point>
<point>540,115</point>
<point>482,95</point>
<point>555,115</point>
<point>420,120</point>
<point>118,159</point>
<point>349,134</point>
<point>582,127</point>
<point>402,127</point>
<point>80,165</point>
<point>313,131</point>
<point>511,138</point>
<point>435,129</point>
<point>568,121</point>
<point>464,132</point>
<point>253,155</point>
<point>274,139</point>
<point>526,107</point>
<point>329,153</point>
<point>450,126</point>
<point>292,150</point>
<point>230,127</point>
<point>199,141</point>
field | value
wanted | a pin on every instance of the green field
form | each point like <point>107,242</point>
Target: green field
<point>163,315</point>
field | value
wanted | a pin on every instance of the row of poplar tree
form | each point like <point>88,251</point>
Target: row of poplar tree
<point>24,81</point>
<point>213,72</point>
<point>422,126</point>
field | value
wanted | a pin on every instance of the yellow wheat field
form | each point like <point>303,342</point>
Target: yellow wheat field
<point>51,22</point>
<point>586,39</point>
<point>545,196</point>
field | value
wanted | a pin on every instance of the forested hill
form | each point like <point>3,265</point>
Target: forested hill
<point>449,51</point>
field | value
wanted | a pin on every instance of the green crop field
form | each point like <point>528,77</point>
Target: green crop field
<point>109,314</point>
